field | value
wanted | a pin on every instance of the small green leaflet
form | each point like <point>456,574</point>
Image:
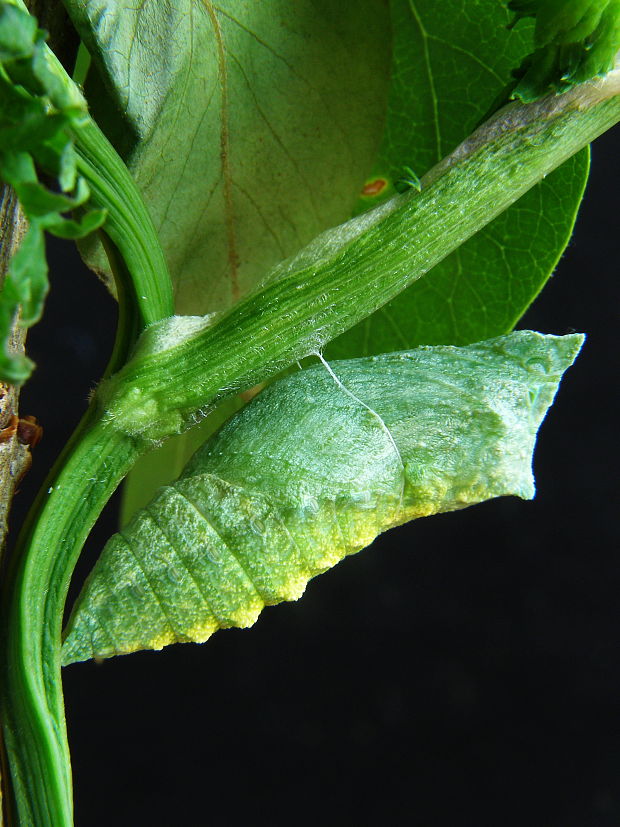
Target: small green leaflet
<point>310,471</point>
<point>451,60</point>
<point>38,110</point>
<point>575,40</point>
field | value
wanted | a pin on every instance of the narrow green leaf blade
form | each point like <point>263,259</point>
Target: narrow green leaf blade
<point>311,471</point>
<point>253,124</point>
<point>450,62</point>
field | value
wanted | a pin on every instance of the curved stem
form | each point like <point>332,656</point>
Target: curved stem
<point>129,325</point>
<point>80,484</point>
<point>84,478</point>
<point>341,278</point>
<point>347,273</point>
<point>145,278</point>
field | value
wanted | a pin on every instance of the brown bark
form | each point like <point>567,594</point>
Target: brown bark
<point>14,456</point>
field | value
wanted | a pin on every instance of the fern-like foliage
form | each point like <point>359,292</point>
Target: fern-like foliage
<point>39,112</point>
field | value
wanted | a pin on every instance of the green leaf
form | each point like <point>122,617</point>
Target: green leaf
<point>25,287</point>
<point>38,201</point>
<point>311,471</point>
<point>27,61</point>
<point>39,108</point>
<point>575,40</point>
<point>249,127</point>
<point>450,62</point>
<point>18,32</point>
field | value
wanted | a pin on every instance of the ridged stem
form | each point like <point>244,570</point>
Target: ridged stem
<point>349,272</point>
<point>86,475</point>
<point>341,278</point>
<point>147,286</point>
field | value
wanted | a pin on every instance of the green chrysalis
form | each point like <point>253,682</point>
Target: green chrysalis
<point>310,471</point>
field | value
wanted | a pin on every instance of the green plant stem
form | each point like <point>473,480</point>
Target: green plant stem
<point>83,479</point>
<point>129,323</point>
<point>339,280</point>
<point>145,280</point>
<point>35,586</point>
<point>348,273</point>
<point>85,476</point>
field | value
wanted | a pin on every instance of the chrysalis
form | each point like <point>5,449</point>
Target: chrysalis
<point>310,471</point>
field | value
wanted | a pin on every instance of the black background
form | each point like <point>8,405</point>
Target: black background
<point>465,670</point>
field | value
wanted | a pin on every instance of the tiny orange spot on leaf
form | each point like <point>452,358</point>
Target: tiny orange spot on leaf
<point>374,187</point>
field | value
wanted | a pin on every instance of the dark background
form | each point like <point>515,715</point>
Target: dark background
<point>465,670</point>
